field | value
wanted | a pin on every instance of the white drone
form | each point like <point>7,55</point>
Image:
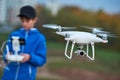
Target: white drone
<point>81,38</point>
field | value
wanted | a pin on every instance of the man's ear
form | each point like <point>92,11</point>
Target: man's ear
<point>35,20</point>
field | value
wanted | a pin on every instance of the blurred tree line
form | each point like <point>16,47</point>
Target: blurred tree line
<point>76,17</point>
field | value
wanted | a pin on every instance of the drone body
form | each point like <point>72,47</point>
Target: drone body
<point>81,38</point>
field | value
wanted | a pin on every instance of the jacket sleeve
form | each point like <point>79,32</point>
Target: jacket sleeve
<point>39,57</point>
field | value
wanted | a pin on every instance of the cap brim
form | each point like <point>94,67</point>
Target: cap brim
<point>25,15</point>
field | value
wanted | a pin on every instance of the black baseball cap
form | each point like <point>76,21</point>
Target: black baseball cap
<point>27,11</point>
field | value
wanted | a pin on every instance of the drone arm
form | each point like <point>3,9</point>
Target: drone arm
<point>93,51</point>
<point>73,44</point>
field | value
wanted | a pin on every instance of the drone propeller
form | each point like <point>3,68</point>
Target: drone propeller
<point>96,30</point>
<point>54,26</point>
<point>108,35</point>
<point>68,27</point>
<point>87,27</point>
<point>105,36</point>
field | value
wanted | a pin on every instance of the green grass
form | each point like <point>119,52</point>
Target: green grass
<point>56,45</point>
<point>4,36</point>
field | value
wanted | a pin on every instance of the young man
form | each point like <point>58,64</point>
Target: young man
<point>33,50</point>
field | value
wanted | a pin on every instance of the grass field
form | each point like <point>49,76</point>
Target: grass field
<point>108,59</point>
<point>106,62</point>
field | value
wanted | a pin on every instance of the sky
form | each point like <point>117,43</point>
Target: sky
<point>109,6</point>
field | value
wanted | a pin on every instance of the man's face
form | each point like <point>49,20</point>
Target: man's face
<point>27,23</point>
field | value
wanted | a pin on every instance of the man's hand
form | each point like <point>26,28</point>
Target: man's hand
<point>6,56</point>
<point>26,57</point>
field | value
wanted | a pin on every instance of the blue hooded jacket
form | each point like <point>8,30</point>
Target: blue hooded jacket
<point>35,46</point>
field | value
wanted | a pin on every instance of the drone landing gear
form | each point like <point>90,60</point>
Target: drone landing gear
<point>80,50</point>
<point>73,44</point>
<point>93,51</point>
